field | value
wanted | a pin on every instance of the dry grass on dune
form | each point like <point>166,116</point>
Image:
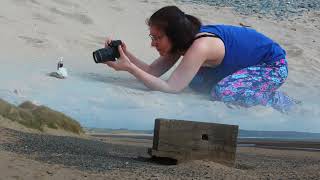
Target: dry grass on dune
<point>38,117</point>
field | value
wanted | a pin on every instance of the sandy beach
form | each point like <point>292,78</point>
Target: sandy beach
<point>35,34</point>
<point>41,156</point>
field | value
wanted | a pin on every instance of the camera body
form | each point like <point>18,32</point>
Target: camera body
<point>109,53</point>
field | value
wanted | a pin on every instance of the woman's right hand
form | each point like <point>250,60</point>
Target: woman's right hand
<point>123,45</point>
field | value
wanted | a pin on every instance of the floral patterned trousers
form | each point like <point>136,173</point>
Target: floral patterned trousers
<point>248,87</point>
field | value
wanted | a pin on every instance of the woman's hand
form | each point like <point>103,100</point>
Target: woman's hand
<point>123,63</point>
<point>123,45</point>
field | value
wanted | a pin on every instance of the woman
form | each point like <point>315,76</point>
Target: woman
<point>234,64</point>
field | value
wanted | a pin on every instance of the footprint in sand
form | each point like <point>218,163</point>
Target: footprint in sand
<point>298,84</point>
<point>42,18</point>
<point>117,9</point>
<point>95,41</point>
<point>26,1</point>
<point>66,3</point>
<point>293,50</point>
<point>35,42</point>
<point>4,20</point>
<point>80,17</point>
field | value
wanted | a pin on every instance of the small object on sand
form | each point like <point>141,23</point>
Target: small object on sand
<point>61,72</point>
<point>244,25</point>
<point>16,92</point>
<point>293,29</point>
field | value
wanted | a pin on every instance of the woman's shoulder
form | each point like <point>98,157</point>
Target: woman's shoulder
<point>206,37</point>
<point>210,47</point>
<point>206,40</point>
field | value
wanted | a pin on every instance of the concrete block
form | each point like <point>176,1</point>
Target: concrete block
<point>189,140</point>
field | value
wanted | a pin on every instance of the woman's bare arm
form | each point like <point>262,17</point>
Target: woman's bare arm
<point>158,67</point>
<point>142,65</point>
<point>181,76</point>
<point>200,51</point>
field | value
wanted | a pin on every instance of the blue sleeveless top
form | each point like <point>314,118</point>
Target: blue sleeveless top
<point>244,47</point>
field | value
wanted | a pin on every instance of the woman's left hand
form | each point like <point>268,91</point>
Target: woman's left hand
<point>123,63</point>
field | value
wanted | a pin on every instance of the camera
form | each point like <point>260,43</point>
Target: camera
<point>109,53</point>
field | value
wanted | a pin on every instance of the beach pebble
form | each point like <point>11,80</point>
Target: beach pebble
<point>244,25</point>
<point>276,9</point>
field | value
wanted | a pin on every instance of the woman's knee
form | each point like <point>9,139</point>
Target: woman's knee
<point>222,93</point>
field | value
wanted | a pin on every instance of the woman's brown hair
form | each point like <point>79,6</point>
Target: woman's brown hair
<point>179,27</point>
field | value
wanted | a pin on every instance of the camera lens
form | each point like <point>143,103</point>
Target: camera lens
<point>104,54</point>
<point>107,54</point>
<point>97,56</point>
